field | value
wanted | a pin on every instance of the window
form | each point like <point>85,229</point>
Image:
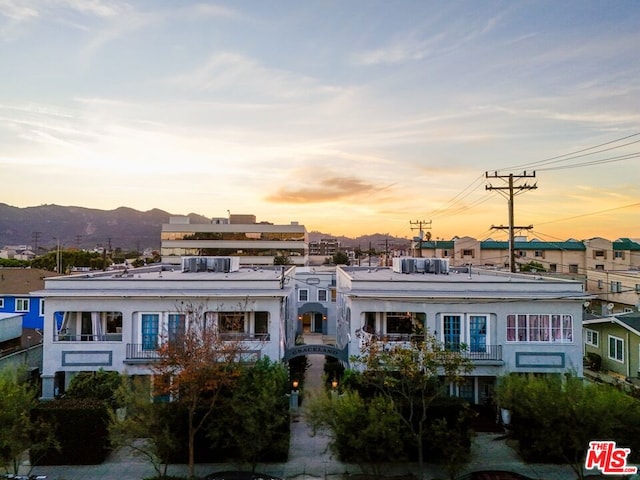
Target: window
<point>405,323</point>
<point>303,295</point>
<point>22,304</point>
<point>616,349</point>
<point>322,295</point>
<point>538,253</point>
<point>591,337</point>
<point>89,326</point>
<point>41,308</point>
<point>600,284</point>
<point>600,267</point>
<point>618,254</point>
<point>540,328</point>
<point>467,253</point>
<point>113,325</point>
<point>175,327</point>
<point>261,327</point>
<point>1,302</point>
<point>616,287</point>
<point>553,267</point>
<point>599,254</point>
<point>399,323</point>
<point>150,325</point>
<point>445,253</point>
<point>334,295</point>
<point>452,331</point>
<point>477,333</point>
<point>573,268</point>
<point>637,287</point>
<point>231,322</point>
<point>370,322</point>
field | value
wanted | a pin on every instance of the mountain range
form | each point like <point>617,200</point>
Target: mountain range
<point>41,227</point>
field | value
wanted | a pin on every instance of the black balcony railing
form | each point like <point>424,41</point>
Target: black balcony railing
<point>488,352</point>
<point>475,352</point>
<point>138,351</point>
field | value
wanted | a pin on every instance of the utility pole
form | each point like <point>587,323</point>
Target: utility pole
<point>35,238</point>
<point>510,188</point>
<point>419,224</point>
<point>386,250</point>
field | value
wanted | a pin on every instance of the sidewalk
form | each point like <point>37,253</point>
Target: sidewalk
<point>310,458</point>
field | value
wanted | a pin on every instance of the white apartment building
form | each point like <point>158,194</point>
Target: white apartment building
<point>255,243</point>
<point>508,322</point>
<point>116,321</point>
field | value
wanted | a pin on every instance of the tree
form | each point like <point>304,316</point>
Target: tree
<point>412,376</point>
<point>281,259</point>
<point>17,399</point>
<point>554,417</point>
<point>197,364</point>
<point>256,420</point>
<point>369,433</point>
<point>340,258</point>
<point>100,385</point>
<point>142,426</point>
<point>453,440</point>
<point>532,267</point>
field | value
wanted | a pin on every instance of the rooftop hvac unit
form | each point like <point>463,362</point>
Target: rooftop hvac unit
<point>409,265</point>
<point>222,265</point>
<point>440,265</point>
<point>210,264</point>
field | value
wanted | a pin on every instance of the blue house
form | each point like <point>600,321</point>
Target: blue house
<point>16,284</point>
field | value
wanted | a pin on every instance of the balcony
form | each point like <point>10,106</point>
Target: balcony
<point>139,353</point>
<point>485,353</point>
<point>88,337</point>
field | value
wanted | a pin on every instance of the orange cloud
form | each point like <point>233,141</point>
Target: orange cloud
<point>327,189</point>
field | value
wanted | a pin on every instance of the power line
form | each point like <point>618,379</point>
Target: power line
<point>575,153</point>
<point>589,214</point>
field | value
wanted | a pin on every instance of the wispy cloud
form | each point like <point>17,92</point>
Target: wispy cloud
<point>414,46</point>
<point>227,69</point>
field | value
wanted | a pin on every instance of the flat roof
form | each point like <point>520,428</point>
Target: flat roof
<point>480,284</point>
<point>456,274</point>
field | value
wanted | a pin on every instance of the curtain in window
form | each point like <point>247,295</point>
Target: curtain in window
<point>511,328</point>
<point>96,326</point>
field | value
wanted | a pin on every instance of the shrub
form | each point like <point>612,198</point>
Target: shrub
<point>80,428</point>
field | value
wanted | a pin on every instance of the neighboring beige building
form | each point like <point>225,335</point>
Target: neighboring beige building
<point>570,256</point>
<point>618,291</point>
<point>610,269</point>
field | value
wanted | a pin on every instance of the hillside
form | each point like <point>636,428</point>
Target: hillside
<point>123,228</point>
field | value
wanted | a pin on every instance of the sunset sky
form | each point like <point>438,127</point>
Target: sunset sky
<point>350,117</point>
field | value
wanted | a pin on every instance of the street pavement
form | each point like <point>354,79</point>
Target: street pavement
<point>310,458</point>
